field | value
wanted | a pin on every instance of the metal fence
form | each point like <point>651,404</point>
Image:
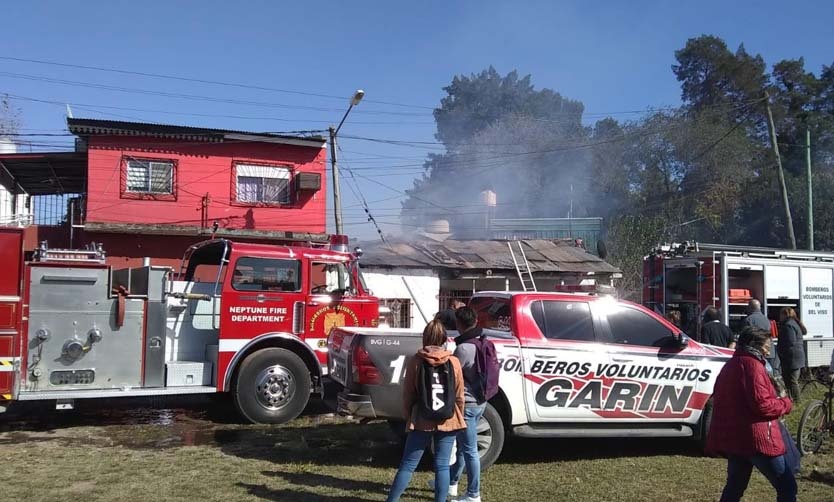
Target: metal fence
<point>56,210</point>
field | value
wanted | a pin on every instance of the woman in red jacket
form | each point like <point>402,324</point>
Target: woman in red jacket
<point>744,424</point>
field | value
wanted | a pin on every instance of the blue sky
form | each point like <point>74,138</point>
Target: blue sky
<point>615,57</point>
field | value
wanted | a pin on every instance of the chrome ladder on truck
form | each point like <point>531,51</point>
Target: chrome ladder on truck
<point>522,266</point>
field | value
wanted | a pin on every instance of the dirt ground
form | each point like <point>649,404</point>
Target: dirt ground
<point>141,451</point>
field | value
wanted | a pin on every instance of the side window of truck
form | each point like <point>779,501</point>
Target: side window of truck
<point>559,320</point>
<point>632,327</point>
<point>493,313</point>
<point>264,274</point>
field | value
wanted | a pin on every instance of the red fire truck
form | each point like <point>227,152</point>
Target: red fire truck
<point>689,277</point>
<point>250,319</point>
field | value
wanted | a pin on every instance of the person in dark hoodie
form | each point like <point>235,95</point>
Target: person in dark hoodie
<point>422,431</point>
<point>714,332</point>
<point>744,426</point>
<point>791,349</point>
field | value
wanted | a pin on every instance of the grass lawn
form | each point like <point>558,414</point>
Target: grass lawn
<point>179,455</point>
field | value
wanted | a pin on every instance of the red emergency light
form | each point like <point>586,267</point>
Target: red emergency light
<point>339,243</point>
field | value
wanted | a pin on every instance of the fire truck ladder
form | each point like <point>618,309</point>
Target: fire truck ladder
<point>522,266</point>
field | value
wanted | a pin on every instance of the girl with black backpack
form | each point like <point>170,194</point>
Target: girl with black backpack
<point>433,402</point>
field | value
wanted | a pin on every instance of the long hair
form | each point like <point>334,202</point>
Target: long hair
<point>788,313</point>
<point>434,334</point>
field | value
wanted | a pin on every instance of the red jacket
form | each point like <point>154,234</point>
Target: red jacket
<point>745,410</point>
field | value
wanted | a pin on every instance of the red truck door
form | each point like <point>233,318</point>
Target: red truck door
<point>332,302</point>
<point>11,256</point>
<point>262,296</point>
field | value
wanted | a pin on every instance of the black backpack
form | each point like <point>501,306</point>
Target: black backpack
<point>436,391</point>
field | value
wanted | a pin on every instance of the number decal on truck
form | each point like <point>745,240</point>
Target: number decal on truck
<point>398,365</point>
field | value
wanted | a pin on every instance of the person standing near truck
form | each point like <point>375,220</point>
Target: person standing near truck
<point>714,332</point>
<point>791,349</point>
<point>756,319</point>
<point>745,421</point>
<point>422,411</point>
<point>475,404</point>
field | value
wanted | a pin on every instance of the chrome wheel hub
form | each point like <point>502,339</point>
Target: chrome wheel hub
<point>274,387</point>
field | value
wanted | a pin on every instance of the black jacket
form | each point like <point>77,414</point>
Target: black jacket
<point>715,333</point>
<point>791,346</point>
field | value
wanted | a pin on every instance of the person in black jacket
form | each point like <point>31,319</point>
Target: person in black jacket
<point>791,349</point>
<point>714,332</point>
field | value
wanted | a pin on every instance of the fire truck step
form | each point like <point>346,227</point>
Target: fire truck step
<point>100,393</point>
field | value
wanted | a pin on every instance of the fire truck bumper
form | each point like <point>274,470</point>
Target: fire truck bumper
<point>358,405</point>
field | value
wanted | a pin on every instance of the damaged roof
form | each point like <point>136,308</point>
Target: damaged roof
<point>543,255</point>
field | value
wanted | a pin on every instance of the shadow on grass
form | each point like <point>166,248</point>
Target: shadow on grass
<point>314,479</point>
<point>266,493</point>
<point>826,478</point>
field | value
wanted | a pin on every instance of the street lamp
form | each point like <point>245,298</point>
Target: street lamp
<point>337,203</point>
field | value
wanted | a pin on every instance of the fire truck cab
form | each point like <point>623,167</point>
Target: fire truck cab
<point>690,276</point>
<point>250,319</point>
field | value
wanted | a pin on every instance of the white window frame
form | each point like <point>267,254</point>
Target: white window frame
<point>261,172</point>
<point>149,166</point>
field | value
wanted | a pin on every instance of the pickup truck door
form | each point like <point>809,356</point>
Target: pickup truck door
<point>651,375</point>
<point>558,368</point>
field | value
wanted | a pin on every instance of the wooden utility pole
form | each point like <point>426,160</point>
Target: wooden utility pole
<point>810,190</point>
<point>337,199</point>
<point>785,203</point>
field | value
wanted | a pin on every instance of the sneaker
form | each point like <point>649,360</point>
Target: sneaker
<point>453,489</point>
<point>468,498</point>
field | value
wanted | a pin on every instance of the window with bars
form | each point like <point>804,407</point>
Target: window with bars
<point>267,184</point>
<point>150,176</point>
<point>398,313</point>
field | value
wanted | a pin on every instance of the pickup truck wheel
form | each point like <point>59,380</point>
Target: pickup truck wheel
<point>490,436</point>
<point>272,386</point>
<point>703,425</point>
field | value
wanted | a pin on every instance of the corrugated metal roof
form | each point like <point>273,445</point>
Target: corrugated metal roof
<point>92,127</point>
<point>543,255</point>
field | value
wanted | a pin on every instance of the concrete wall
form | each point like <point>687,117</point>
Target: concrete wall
<point>424,283</point>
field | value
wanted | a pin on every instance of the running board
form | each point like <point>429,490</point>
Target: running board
<point>106,393</point>
<point>528,431</point>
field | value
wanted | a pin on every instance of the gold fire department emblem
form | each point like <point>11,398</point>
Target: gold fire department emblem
<point>333,319</point>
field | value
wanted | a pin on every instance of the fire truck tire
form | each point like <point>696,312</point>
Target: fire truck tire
<point>272,386</point>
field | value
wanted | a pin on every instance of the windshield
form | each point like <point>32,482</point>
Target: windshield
<point>329,278</point>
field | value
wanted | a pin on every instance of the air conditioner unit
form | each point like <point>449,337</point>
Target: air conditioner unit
<point>307,182</point>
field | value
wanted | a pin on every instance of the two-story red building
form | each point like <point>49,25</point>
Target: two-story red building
<point>150,190</point>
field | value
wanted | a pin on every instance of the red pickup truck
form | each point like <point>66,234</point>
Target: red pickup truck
<point>571,366</point>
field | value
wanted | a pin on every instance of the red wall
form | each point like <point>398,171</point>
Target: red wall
<point>201,168</point>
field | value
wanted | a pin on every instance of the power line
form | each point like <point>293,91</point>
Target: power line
<point>203,81</point>
<point>193,97</point>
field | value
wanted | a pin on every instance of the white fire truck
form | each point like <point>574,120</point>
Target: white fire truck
<point>250,319</point>
<point>689,277</point>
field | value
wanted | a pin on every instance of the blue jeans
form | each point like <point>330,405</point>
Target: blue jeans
<point>415,444</point>
<point>773,468</point>
<point>468,450</point>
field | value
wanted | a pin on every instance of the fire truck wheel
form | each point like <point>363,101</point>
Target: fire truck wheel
<point>273,386</point>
